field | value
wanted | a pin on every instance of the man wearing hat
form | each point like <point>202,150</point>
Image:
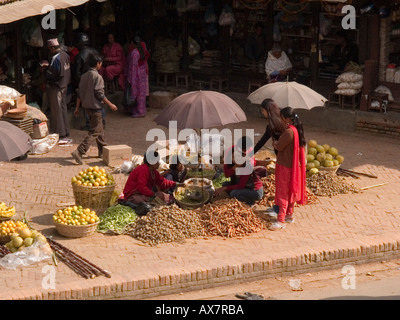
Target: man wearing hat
<point>82,58</point>
<point>58,76</point>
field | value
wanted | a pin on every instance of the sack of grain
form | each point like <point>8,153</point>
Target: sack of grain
<point>347,92</point>
<point>349,77</point>
<point>350,85</point>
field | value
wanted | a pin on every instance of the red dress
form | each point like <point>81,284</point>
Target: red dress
<point>291,182</point>
<point>114,62</point>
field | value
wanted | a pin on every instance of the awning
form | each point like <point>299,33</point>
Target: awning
<point>20,9</point>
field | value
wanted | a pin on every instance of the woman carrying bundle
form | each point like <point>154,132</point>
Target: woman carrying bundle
<point>290,172</point>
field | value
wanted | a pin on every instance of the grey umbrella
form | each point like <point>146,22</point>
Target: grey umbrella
<point>201,110</point>
<point>13,141</point>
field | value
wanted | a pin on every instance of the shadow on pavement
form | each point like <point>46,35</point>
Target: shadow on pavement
<point>45,220</point>
<point>363,298</point>
<point>64,161</point>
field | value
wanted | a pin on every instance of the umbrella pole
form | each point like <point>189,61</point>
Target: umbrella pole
<point>201,168</point>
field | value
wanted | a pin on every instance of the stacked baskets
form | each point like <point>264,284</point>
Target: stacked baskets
<point>97,198</point>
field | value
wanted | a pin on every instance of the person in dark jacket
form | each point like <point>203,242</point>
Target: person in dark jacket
<point>255,47</point>
<point>91,95</point>
<point>344,52</point>
<point>177,171</point>
<point>81,59</point>
<point>58,77</point>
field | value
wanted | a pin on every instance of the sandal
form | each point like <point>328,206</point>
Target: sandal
<point>276,226</point>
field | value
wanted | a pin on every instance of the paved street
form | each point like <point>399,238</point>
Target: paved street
<point>344,229</point>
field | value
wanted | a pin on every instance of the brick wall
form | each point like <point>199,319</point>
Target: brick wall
<point>379,128</point>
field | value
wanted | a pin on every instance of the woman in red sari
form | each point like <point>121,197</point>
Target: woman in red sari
<point>114,61</point>
<point>290,172</point>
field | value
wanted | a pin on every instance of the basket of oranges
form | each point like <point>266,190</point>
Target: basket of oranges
<point>76,222</point>
<point>93,188</point>
<point>7,228</point>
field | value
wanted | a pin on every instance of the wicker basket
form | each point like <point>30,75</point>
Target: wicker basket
<point>18,113</point>
<point>76,231</point>
<point>95,198</point>
<point>328,169</point>
<point>185,205</point>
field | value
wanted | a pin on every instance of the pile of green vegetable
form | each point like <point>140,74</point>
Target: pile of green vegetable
<point>115,218</point>
<point>217,183</point>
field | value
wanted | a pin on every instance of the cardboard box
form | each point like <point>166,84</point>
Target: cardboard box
<point>40,130</point>
<point>116,155</point>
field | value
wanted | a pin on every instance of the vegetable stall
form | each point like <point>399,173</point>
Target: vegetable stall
<point>193,214</point>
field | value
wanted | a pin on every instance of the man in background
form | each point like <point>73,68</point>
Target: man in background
<point>255,47</point>
<point>58,76</point>
<point>344,51</point>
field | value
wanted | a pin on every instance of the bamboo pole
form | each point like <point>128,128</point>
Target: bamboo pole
<point>374,186</point>
<point>105,273</point>
<point>359,173</point>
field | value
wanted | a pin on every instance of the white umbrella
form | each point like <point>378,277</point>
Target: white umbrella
<point>288,94</point>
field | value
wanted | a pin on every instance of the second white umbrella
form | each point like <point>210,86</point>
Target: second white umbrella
<point>288,94</point>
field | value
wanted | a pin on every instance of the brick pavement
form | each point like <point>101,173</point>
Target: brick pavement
<point>353,228</point>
